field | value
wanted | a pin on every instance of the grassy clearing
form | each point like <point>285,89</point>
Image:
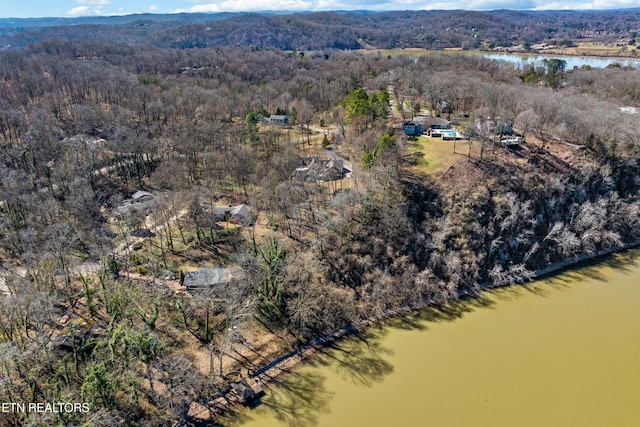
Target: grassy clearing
<point>582,49</point>
<point>436,154</point>
<point>597,50</point>
<point>414,51</point>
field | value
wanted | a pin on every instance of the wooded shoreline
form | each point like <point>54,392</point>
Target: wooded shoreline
<point>285,363</point>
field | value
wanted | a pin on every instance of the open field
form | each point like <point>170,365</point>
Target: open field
<point>582,49</point>
<point>595,49</point>
<point>436,154</point>
<point>414,51</point>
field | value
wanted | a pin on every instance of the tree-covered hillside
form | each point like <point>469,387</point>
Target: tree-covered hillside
<point>172,220</point>
<point>335,30</point>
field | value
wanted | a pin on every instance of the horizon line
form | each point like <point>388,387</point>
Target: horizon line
<point>302,11</point>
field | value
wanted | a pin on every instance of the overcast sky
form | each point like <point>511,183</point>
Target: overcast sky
<point>71,8</point>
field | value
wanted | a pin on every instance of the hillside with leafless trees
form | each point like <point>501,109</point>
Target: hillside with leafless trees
<point>91,304</point>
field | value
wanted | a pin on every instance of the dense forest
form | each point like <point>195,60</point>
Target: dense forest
<point>334,30</point>
<point>92,309</point>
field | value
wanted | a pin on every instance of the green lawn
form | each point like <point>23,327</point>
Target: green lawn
<point>438,155</point>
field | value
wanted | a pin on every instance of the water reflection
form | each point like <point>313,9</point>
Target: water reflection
<point>457,309</point>
<point>470,354</point>
<point>523,60</point>
<point>298,399</point>
<point>512,293</point>
<point>360,360</point>
<point>625,262</point>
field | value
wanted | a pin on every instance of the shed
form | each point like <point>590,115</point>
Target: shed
<point>74,334</point>
<point>445,107</point>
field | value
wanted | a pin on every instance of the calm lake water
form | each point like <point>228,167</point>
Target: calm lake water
<point>558,352</point>
<point>522,61</point>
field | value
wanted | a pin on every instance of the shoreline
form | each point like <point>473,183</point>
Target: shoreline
<point>552,52</point>
<point>291,360</point>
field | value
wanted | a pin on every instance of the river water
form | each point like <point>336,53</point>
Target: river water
<point>523,60</point>
<point>564,351</point>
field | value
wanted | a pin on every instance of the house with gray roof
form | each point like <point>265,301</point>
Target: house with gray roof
<point>209,278</point>
<point>278,119</point>
<point>315,169</point>
<point>141,196</point>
